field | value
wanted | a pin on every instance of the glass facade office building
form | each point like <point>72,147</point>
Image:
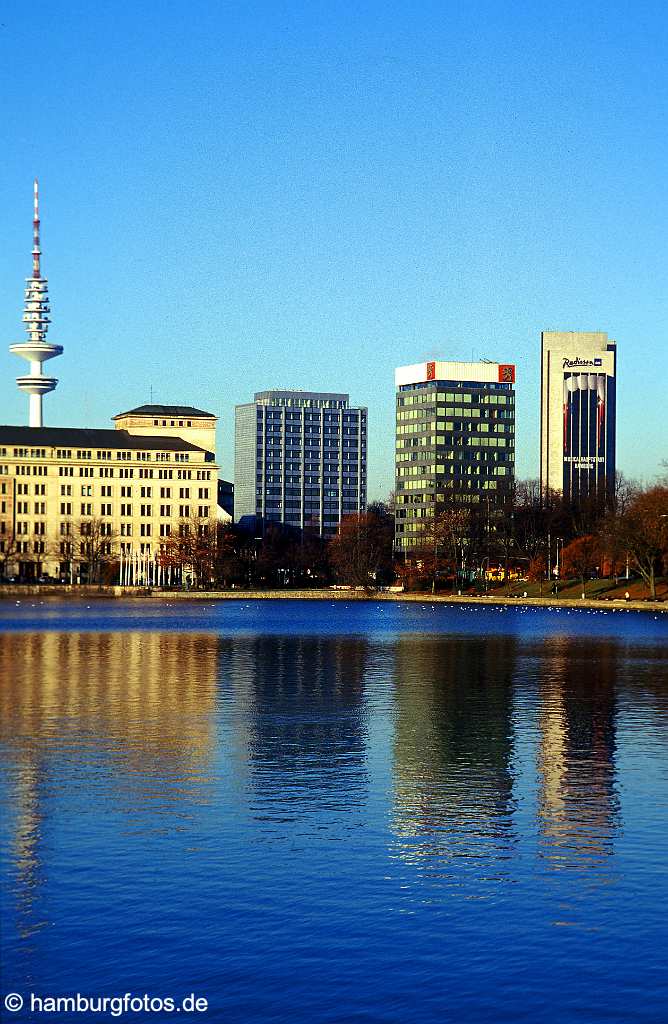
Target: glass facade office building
<point>455,440</point>
<point>300,460</point>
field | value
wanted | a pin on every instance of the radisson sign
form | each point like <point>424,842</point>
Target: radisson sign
<point>573,364</point>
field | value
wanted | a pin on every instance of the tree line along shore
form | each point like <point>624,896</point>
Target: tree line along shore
<point>534,544</point>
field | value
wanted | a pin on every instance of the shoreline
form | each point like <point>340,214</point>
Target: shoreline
<point>86,592</point>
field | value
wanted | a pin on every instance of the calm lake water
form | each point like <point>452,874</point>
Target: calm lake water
<point>332,812</point>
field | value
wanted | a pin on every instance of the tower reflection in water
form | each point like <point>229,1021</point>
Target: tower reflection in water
<point>578,805</point>
<point>75,705</point>
<point>302,703</point>
<point>453,782</point>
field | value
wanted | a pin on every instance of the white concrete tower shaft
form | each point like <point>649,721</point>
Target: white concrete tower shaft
<point>36,319</point>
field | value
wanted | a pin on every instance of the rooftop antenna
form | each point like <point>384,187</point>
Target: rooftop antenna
<point>36,251</point>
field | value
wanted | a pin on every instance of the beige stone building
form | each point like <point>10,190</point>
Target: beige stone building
<point>180,421</point>
<point>71,497</point>
<point>578,414</point>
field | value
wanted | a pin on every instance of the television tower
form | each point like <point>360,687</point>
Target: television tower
<point>36,318</point>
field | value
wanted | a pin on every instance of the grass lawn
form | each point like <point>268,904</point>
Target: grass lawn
<point>606,589</point>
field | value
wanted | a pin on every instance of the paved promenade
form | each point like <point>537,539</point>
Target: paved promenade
<point>22,593</point>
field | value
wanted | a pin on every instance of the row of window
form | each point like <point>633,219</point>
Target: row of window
<point>23,508</point>
<point>23,528</point>
<point>330,450</point>
<point>452,469</point>
<point>349,415</point>
<point>106,509</point>
<point>106,491</point>
<point>472,440</point>
<point>426,416</point>
<point>330,512</point>
<point>105,455</point>
<point>457,426</point>
<point>481,396</point>
<point>24,547</point>
<point>38,529</point>
<point>30,470</point>
<point>310,494</point>
<point>173,423</point>
<point>470,481</point>
<point>488,456</point>
<point>127,472</point>
<point>329,476</point>
<point>107,471</point>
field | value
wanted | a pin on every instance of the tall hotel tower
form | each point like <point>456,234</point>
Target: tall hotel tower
<point>36,318</point>
<point>299,460</point>
<point>577,421</point>
<point>455,440</point>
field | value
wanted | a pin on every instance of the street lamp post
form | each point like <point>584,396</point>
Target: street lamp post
<point>484,568</point>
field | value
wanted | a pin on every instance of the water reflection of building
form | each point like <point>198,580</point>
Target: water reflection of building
<point>69,701</point>
<point>453,745</point>
<point>578,801</point>
<point>305,727</point>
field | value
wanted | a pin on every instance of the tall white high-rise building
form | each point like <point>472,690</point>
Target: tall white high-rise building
<point>577,418</point>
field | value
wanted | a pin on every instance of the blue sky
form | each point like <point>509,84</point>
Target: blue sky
<point>244,196</point>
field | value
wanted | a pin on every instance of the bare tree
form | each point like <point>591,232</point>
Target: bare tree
<point>442,541</point>
<point>9,546</point>
<point>581,558</point>
<point>642,532</point>
<point>193,548</point>
<point>361,552</point>
<point>93,541</point>
<point>624,493</point>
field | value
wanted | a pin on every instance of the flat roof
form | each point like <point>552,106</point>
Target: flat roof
<point>84,437</point>
<point>322,396</point>
<point>166,410</point>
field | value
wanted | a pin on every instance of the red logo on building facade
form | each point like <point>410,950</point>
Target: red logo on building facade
<point>431,371</point>
<point>506,373</point>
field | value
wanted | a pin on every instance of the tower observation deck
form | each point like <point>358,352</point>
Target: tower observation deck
<point>36,318</point>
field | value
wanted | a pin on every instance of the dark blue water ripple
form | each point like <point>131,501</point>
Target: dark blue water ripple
<point>333,812</point>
